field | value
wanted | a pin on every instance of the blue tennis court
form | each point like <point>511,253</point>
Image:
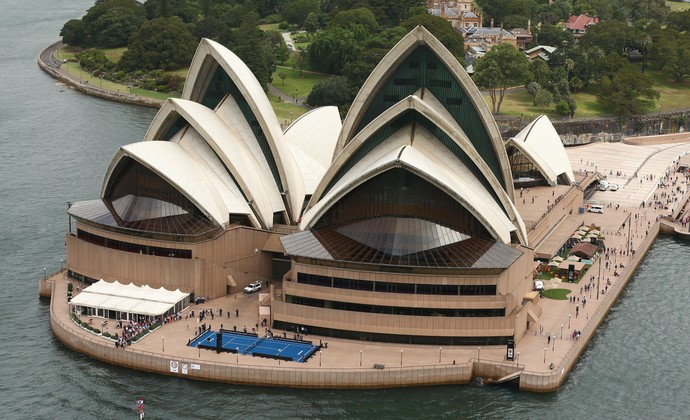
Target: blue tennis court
<point>252,344</point>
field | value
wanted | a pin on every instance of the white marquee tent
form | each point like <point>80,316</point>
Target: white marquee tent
<point>119,301</point>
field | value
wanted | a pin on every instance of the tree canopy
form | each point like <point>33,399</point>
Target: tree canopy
<point>161,43</point>
<point>502,67</point>
<point>627,92</point>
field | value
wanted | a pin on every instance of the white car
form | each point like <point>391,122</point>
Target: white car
<point>253,287</point>
<point>613,187</point>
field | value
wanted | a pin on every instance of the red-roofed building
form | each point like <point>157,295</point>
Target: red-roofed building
<point>578,25</point>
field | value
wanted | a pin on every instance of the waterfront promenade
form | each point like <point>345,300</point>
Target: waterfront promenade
<point>541,362</point>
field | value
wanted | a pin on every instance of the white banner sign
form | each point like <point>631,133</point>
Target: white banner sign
<point>185,368</point>
<point>173,366</point>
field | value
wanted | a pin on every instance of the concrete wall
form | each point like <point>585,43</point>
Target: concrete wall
<point>232,253</point>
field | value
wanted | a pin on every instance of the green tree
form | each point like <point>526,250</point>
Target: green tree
<point>254,47</point>
<point>502,67</point>
<point>296,11</point>
<point>515,21</point>
<point>627,92</point>
<point>161,43</point>
<point>210,27</point>
<point>543,98</point>
<point>679,20</point>
<point>333,48</point>
<point>282,76</point>
<point>553,36</point>
<point>361,16</point>
<point>540,72</point>
<point>371,54</point>
<point>333,91</point>
<point>299,62</point>
<point>115,27</point>
<point>611,37</point>
<point>532,88</point>
<point>442,30</point>
<point>649,9</point>
<point>73,33</point>
<point>92,26</point>
<point>311,23</point>
<point>188,11</point>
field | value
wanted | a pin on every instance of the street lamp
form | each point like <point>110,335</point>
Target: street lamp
<point>163,343</point>
<point>401,353</point>
<point>553,348</point>
<point>439,354</point>
<point>544,354</point>
<point>568,321</point>
<point>561,331</point>
<point>360,363</point>
<point>199,348</point>
<point>237,355</point>
<point>517,358</point>
<point>360,358</point>
<point>45,275</point>
<point>478,350</point>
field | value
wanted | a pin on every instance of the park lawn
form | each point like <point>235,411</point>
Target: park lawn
<point>114,54</point>
<point>301,46</point>
<point>674,95</point>
<point>179,72</point>
<point>294,85</point>
<point>290,62</point>
<point>270,27</point>
<point>556,294</point>
<point>285,111</point>
<point>151,94</point>
<point>519,102</point>
<point>677,6</point>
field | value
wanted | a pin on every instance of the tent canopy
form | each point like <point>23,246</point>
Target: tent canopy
<point>142,300</point>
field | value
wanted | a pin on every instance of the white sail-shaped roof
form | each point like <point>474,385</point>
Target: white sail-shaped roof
<point>542,145</point>
<point>420,36</point>
<point>312,139</point>
<point>167,159</point>
<point>208,56</point>
<point>427,158</point>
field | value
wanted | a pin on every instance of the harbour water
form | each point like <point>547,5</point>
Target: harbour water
<point>55,145</point>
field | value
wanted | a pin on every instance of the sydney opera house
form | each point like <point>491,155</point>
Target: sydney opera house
<point>397,224</point>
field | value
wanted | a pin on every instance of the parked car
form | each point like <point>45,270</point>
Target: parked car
<point>253,287</point>
<point>613,187</point>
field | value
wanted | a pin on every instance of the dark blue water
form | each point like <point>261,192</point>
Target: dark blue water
<point>55,145</point>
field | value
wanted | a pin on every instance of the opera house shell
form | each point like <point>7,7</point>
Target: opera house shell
<point>396,225</point>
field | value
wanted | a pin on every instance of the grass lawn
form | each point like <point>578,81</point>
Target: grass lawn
<point>114,54</point>
<point>270,27</point>
<point>677,6</point>
<point>546,275</point>
<point>180,72</point>
<point>285,111</point>
<point>557,294</point>
<point>294,85</point>
<point>673,96</point>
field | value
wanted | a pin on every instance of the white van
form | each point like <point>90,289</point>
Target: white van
<point>603,185</point>
<point>595,208</point>
<point>538,285</point>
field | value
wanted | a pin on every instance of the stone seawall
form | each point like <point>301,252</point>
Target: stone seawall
<point>580,131</point>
